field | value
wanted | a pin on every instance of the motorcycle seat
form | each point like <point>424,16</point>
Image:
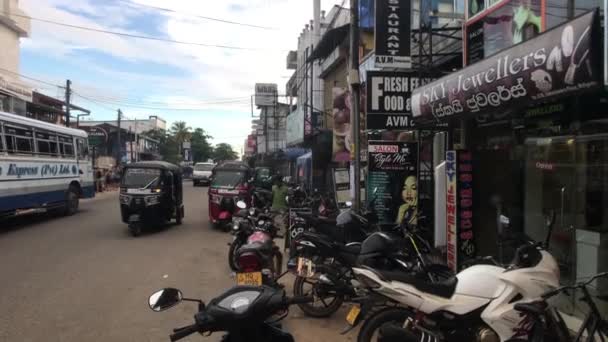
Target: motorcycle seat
<point>317,220</point>
<point>354,248</point>
<point>261,248</point>
<point>444,288</point>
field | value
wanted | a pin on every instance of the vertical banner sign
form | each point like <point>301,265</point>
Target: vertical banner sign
<point>451,211</point>
<point>392,34</point>
<point>466,244</point>
<point>392,181</point>
<point>459,208</point>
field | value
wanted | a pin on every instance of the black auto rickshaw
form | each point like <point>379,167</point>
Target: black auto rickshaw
<point>151,192</point>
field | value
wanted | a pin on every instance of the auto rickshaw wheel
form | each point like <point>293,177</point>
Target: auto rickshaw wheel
<point>135,229</point>
<point>179,214</point>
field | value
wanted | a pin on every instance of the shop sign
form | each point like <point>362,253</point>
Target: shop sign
<point>341,186</point>
<point>97,135</point>
<point>295,126</point>
<point>392,181</point>
<point>392,34</point>
<point>558,63</point>
<point>388,98</point>
<point>451,214</point>
<point>265,94</point>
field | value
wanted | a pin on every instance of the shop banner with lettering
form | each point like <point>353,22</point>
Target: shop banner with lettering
<point>459,208</point>
<point>560,62</point>
<point>392,181</point>
<point>388,98</point>
<point>392,34</point>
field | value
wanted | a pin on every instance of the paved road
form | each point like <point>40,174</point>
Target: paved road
<point>83,278</point>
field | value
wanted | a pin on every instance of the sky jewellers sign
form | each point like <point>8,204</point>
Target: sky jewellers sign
<point>388,98</point>
<point>392,34</point>
<point>559,62</point>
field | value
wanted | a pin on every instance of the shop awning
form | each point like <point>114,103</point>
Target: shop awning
<point>563,61</point>
<point>329,42</point>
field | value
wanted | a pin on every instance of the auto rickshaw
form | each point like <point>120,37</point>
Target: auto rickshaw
<point>150,193</point>
<point>229,184</point>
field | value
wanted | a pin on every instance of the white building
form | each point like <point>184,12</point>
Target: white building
<point>14,94</point>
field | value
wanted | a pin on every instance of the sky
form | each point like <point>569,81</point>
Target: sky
<point>208,87</point>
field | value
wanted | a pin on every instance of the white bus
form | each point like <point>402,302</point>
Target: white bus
<point>42,166</point>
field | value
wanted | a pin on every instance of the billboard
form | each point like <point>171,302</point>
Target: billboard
<point>392,34</point>
<point>295,126</point>
<point>341,112</point>
<point>502,25</point>
<point>265,94</point>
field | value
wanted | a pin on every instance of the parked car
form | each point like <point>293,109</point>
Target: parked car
<point>202,173</point>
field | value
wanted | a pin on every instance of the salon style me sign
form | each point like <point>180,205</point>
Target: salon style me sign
<point>559,62</point>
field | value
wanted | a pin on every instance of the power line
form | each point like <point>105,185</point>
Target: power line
<point>144,102</point>
<point>162,9</point>
<point>130,35</point>
<point>32,78</point>
<point>168,108</point>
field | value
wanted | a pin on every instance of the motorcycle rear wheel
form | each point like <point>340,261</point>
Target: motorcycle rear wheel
<point>328,306</point>
<point>370,329</point>
<point>234,247</point>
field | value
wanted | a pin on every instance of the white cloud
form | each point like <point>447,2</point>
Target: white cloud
<point>215,73</point>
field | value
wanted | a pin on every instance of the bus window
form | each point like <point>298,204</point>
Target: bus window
<point>46,144</point>
<point>22,140</point>
<point>66,146</point>
<point>83,150</point>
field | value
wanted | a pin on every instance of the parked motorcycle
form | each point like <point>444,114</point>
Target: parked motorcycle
<point>259,260</point>
<point>242,226</point>
<point>478,304</point>
<point>243,312</point>
<point>328,265</point>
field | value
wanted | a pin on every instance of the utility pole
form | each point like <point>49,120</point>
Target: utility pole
<point>355,85</point>
<point>119,154</point>
<point>68,93</point>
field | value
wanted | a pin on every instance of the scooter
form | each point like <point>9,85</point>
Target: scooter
<point>243,312</point>
<point>478,304</point>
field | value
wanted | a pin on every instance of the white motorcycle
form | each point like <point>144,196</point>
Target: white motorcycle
<point>478,304</point>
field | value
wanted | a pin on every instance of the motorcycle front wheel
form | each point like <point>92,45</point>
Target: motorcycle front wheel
<point>386,326</point>
<point>234,247</point>
<point>325,304</point>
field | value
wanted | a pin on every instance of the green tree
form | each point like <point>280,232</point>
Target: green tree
<point>180,131</point>
<point>223,152</point>
<point>167,146</point>
<point>201,148</point>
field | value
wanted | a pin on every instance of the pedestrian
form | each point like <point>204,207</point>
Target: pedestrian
<point>279,201</point>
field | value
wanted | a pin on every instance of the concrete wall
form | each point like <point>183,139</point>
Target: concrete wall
<point>11,29</point>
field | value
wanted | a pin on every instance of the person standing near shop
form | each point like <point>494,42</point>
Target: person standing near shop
<point>279,202</point>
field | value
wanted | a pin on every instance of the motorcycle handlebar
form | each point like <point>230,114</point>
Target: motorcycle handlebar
<point>183,332</point>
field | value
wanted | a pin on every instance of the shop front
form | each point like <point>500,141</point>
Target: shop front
<point>533,119</point>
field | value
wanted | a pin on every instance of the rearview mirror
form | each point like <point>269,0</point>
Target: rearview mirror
<point>241,205</point>
<point>165,299</point>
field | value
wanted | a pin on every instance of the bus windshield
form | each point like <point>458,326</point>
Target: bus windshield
<point>141,178</point>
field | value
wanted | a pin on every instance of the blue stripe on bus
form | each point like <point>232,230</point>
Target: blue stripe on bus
<point>33,200</point>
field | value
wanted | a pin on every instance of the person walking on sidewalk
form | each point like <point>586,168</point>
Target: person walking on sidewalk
<point>279,201</point>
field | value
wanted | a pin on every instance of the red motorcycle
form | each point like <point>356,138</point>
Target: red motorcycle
<point>259,260</point>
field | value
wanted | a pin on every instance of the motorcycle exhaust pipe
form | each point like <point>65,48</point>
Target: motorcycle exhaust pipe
<point>394,333</point>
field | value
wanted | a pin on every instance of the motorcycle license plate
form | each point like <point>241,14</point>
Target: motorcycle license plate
<point>352,315</point>
<point>306,268</point>
<point>249,278</point>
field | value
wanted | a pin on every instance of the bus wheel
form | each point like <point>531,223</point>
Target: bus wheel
<point>71,201</point>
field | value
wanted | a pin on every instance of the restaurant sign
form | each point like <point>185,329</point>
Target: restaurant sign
<point>388,98</point>
<point>392,34</point>
<point>559,62</point>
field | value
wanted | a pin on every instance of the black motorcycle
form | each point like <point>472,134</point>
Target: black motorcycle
<point>242,226</point>
<point>325,266</point>
<point>245,313</point>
